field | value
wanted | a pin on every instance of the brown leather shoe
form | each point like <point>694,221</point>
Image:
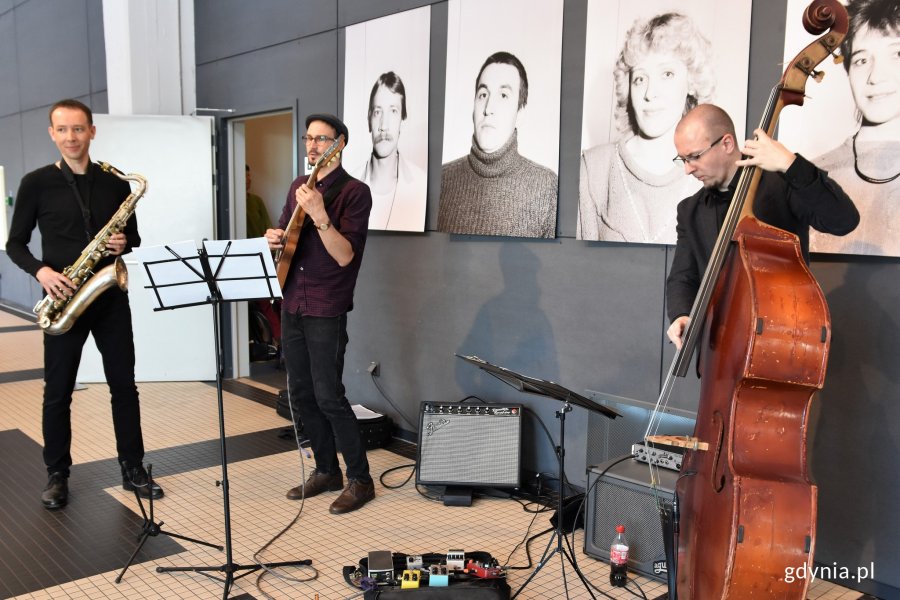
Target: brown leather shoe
<point>316,484</point>
<point>353,497</point>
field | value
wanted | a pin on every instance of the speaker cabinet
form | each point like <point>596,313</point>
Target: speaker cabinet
<point>469,444</point>
<point>622,495</point>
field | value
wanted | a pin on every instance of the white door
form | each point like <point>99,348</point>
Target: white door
<point>176,155</point>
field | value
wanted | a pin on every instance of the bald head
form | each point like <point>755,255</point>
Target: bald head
<point>708,118</point>
<point>705,140</point>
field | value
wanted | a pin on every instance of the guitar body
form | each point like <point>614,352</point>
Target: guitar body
<point>292,230</point>
<point>291,238</point>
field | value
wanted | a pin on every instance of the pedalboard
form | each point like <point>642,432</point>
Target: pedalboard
<point>652,455</point>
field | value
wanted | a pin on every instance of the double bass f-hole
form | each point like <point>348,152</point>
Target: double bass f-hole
<point>716,476</point>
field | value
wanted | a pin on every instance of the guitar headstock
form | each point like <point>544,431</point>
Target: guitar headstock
<point>333,150</point>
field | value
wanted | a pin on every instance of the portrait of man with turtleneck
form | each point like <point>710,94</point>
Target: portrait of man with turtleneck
<point>494,190</point>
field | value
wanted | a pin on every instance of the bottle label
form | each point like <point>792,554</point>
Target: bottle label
<point>618,556</point>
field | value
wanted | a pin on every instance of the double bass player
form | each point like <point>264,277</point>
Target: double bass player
<point>741,270</point>
<point>794,195</point>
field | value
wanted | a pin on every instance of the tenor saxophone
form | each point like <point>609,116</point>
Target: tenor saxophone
<point>57,316</point>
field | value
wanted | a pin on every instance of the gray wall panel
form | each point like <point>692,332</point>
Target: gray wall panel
<point>11,159</point>
<point>437,76</point>
<point>357,11</point>
<point>227,28</point>
<point>9,94</point>
<point>11,150</point>
<point>856,421</point>
<point>766,57</point>
<point>276,76</point>
<point>37,147</point>
<point>96,47</point>
<point>570,103</point>
<point>99,102</point>
<point>19,289</point>
<point>52,64</point>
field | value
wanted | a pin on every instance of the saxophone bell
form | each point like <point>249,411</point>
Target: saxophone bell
<point>115,274</point>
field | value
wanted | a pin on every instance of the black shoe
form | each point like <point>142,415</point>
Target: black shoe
<point>56,494</point>
<point>135,478</point>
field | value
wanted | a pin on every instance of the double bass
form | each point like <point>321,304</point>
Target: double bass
<point>746,508</point>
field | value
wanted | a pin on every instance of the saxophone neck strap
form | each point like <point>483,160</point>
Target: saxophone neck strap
<point>83,200</point>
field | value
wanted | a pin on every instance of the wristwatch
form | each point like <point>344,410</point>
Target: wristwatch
<point>323,226</point>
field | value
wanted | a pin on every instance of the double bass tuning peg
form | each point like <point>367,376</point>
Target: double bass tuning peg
<point>838,58</point>
<point>818,76</point>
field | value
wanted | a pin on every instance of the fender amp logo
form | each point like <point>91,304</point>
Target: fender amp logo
<point>660,567</point>
<point>433,427</point>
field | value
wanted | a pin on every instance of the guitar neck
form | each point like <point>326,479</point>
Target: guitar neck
<point>299,214</point>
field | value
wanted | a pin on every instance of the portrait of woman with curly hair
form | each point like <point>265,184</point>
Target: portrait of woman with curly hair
<point>629,186</point>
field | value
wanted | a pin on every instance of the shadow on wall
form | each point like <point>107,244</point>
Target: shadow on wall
<point>510,329</point>
<point>856,425</point>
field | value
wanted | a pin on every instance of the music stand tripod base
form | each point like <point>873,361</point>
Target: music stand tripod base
<point>150,528</point>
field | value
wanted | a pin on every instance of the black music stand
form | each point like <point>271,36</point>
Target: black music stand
<point>221,271</point>
<point>150,528</point>
<point>549,389</point>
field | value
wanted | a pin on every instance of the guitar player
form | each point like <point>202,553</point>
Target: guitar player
<point>324,262</point>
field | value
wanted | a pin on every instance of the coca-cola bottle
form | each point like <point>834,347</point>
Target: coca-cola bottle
<point>618,559</point>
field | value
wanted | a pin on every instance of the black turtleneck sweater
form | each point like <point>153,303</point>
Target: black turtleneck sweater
<point>802,197</point>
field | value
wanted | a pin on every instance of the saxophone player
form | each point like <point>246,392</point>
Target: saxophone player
<point>70,201</point>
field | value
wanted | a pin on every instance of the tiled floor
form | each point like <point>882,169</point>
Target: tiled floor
<point>78,552</point>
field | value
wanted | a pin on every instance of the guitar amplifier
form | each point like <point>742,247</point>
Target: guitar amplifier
<point>469,444</point>
<point>623,495</point>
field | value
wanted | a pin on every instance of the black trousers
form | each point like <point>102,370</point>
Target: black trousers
<point>109,319</point>
<point>314,356</point>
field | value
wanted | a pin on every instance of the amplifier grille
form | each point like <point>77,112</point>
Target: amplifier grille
<point>469,444</point>
<point>624,496</point>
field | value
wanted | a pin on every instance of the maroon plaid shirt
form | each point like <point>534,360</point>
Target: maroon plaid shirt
<point>316,285</point>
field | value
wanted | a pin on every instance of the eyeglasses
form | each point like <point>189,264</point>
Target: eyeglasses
<point>317,139</point>
<point>681,160</point>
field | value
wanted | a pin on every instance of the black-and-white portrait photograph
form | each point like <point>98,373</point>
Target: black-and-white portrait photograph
<point>849,124</point>
<point>501,118</point>
<point>647,64</point>
<point>386,106</point>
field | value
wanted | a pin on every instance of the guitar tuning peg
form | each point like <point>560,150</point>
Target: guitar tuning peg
<point>818,76</point>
